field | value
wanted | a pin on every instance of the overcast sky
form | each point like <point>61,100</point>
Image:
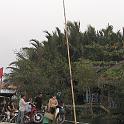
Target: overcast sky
<point>22,20</point>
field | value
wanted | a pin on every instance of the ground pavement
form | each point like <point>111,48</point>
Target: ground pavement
<point>6,123</point>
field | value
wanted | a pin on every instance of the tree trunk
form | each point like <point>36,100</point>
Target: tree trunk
<point>90,101</point>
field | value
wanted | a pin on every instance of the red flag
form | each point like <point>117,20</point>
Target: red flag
<point>1,72</point>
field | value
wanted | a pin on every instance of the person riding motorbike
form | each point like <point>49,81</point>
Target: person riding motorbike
<point>53,103</point>
<point>38,100</point>
<point>55,108</point>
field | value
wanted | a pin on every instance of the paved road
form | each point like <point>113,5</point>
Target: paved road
<point>6,123</point>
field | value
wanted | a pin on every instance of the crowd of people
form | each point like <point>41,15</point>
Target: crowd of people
<point>25,106</point>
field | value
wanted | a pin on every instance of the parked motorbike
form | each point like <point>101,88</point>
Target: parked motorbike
<point>60,115</point>
<point>13,119</point>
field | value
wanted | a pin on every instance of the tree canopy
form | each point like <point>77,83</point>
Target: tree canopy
<point>95,57</point>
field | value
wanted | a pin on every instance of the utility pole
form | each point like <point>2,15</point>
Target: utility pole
<point>69,62</point>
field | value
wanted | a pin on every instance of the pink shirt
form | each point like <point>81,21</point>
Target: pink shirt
<point>22,104</point>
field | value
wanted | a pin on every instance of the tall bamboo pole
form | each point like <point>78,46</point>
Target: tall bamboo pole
<point>69,62</point>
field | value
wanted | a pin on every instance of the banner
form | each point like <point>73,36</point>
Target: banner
<point>1,72</point>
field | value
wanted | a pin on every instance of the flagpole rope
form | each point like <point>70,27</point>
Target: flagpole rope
<point>69,62</point>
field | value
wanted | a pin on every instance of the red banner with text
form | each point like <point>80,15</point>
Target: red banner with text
<point>1,72</point>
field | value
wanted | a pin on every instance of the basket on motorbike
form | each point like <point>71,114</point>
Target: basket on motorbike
<point>49,116</point>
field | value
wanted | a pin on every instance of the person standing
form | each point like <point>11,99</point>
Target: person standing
<point>59,99</point>
<point>10,110</point>
<point>38,101</point>
<point>22,107</point>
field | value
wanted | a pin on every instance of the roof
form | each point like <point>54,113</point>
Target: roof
<point>7,89</point>
<point>8,86</point>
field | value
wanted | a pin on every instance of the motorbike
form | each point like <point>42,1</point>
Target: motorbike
<point>35,115</point>
<point>13,119</point>
<point>30,117</point>
<point>60,115</point>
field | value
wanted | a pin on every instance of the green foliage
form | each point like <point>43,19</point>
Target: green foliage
<point>44,65</point>
<point>114,73</point>
<point>84,73</point>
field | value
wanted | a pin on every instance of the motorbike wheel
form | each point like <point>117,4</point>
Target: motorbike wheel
<point>26,119</point>
<point>38,117</point>
<point>13,120</point>
<point>60,118</point>
<point>3,118</point>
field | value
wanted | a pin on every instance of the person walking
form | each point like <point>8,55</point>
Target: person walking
<point>22,107</point>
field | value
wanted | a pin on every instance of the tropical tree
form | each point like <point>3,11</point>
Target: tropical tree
<point>44,65</point>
